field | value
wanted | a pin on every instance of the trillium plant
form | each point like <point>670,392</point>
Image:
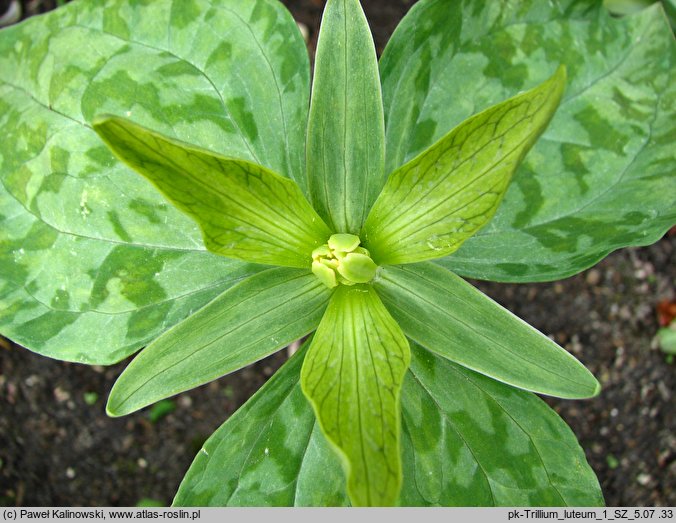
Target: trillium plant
<point>341,211</point>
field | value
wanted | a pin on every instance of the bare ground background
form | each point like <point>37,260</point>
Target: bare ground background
<point>57,447</point>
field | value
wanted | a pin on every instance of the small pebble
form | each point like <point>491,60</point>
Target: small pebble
<point>593,277</point>
<point>61,395</point>
<point>644,479</point>
<point>575,346</point>
<point>304,31</point>
<point>625,313</point>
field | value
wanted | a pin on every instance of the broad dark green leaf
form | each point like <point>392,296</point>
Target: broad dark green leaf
<point>244,210</point>
<point>448,316</point>
<point>600,177</point>
<point>271,452</point>
<point>93,262</point>
<point>431,205</point>
<point>246,323</point>
<point>472,441</point>
<point>352,375</point>
<point>345,141</point>
<point>467,440</point>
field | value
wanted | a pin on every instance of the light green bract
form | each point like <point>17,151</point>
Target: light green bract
<point>244,210</point>
<point>433,203</point>
<point>264,212</point>
<point>352,375</point>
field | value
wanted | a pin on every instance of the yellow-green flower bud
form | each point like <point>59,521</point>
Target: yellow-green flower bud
<point>343,261</point>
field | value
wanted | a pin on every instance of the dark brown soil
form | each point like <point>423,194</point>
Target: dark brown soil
<point>57,449</point>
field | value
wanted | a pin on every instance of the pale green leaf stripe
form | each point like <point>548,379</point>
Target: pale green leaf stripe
<point>472,441</point>
<point>431,205</point>
<point>352,375</point>
<point>346,130</point>
<point>271,452</point>
<point>244,210</point>
<point>448,316</point>
<point>513,450</point>
<point>246,323</point>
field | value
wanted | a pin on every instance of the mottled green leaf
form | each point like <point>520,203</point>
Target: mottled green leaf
<point>93,262</point>
<point>472,441</point>
<point>600,177</point>
<point>448,316</point>
<point>244,210</point>
<point>431,205</point>
<point>271,452</point>
<point>467,440</point>
<point>244,324</point>
<point>352,375</point>
<point>345,141</point>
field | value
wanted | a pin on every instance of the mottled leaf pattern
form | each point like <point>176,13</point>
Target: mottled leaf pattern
<point>352,375</point>
<point>271,452</point>
<point>600,177</point>
<point>431,205</point>
<point>246,323</point>
<point>93,262</point>
<point>245,211</point>
<point>472,441</point>
<point>448,316</point>
<point>345,142</point>
<point>466,440</point>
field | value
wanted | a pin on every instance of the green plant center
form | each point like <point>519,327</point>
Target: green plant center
<point>343,261</point>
